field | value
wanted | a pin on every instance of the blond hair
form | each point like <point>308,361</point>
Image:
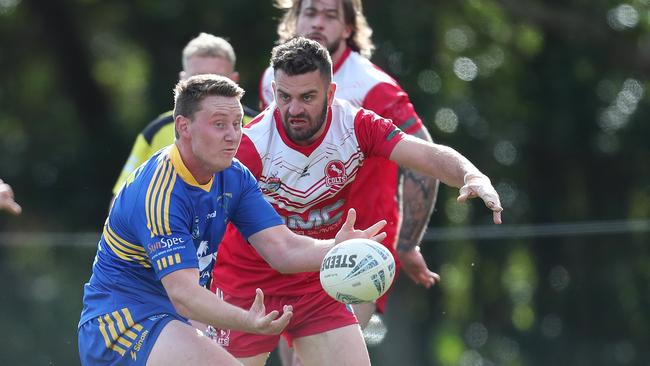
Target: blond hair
<point>208,45</point>
<point>360,39</point>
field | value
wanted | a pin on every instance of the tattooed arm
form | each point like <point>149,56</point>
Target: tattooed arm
<point>417,201</point>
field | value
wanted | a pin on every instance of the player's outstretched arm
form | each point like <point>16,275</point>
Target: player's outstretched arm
<point>451,168</point>
<point>288,252</point>
<point>195,302</point>
<point>7,201</point>
<point>417,201</point>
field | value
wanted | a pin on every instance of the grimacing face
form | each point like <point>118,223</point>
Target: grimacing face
<point>215,132</point>
<point>303,102</point>
<point>323,22</point>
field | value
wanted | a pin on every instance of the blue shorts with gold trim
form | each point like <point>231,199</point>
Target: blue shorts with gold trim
<point>119,338</point>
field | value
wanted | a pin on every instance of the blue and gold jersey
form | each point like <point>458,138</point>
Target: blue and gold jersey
<point>162,220</point>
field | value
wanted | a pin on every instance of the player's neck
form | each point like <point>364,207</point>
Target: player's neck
<point>338,54</point>
<point>199,172</point>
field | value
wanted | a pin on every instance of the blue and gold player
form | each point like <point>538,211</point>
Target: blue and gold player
<point>159,241</point>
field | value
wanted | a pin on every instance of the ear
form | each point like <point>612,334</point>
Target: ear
<point>182,125</point>
<point>234,76</point>
<point>331,90</point>
<point>182,75</point>
<point>348,32</point>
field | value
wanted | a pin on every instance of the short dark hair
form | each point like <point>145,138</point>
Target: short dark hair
<point>189,93</point>
<point>299,56</point>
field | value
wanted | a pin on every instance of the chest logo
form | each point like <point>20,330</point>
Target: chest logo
<point>335,173</point>
<point>273,184</point>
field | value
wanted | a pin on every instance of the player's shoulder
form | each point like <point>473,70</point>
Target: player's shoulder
<point>237,171</point>
<point>156,125</point>
<point>344,107</point>
<point>360,67</point>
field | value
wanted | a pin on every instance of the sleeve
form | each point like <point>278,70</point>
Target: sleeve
<point>166,230</point>
<point>377,136</point>
<point>391,101</point>
<point>140,152</point>
<point>253,213</point>
<point>266,89</point>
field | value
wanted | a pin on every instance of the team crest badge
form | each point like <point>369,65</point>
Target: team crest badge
<point>195,228</point>
<point>335,173</point>
<point>273,184</point>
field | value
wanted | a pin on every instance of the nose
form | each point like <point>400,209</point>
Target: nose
<point>231,134</point>
<point>318,21</point>
<point>295,107</point>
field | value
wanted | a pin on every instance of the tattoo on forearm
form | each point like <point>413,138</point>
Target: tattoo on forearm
<point>417,202</point>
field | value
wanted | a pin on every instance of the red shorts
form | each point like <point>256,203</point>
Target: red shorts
<point>313,313</point>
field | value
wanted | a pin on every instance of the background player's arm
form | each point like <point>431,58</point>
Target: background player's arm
<point>7,201</point>
<point>417,200</point>
<point>198,303</point>
<point>288,252</point>
<point>140,152</point>
<point>450,167</point>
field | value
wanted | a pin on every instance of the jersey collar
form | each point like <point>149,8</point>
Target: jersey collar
<point>307,149</point>
<point>177,162</point>
<point>340,62</point>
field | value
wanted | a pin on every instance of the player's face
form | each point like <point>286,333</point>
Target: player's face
<point>199,65</point>
<point>323,22</point>
<point>215,132</point>
<point>303,102</point>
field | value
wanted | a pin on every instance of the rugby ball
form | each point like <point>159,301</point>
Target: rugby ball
<point>357,271</point>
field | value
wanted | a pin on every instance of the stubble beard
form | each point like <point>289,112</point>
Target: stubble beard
<point>307,135</point>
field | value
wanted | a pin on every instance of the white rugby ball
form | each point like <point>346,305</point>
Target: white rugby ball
<point>357,271</point>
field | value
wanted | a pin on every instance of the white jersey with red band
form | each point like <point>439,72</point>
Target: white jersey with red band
<point>309,186</point>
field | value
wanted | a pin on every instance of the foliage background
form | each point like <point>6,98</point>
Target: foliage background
<point>548,97</point>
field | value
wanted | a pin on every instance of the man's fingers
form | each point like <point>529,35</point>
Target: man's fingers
<point>259,299</point>
<point>277,325</point>
<point>15,208</point>
<point>351,219</point>
<point>379,237</point>
<point>374,229</point>
<point>496,216</point>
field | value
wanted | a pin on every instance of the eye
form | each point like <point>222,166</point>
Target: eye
<point>283,97</point>
<point>308,98</point>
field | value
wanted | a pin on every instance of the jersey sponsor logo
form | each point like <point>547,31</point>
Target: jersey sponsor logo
<point>317,217</point>
<point>165,243</point>
<point>335,173</point>
<point>211,215</point>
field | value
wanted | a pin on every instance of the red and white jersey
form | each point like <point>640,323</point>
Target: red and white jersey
<point>365,85</point>
<point>309,186</point>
